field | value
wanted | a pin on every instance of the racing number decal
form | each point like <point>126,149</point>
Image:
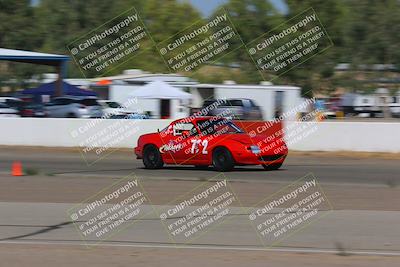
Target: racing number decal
<point>195,146</point>
<point>205,145</point>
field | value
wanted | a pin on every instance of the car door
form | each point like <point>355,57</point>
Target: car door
<point>199,146</point>
<point>94,108</point>
<point>68,108</point>
<point>53,108</point>
<point>179,141</point>
<point>63,107</point>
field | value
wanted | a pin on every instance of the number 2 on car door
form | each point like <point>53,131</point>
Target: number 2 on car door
<point>196,143</point>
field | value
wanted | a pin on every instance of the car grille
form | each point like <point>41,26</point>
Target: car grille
<point>271,157</point>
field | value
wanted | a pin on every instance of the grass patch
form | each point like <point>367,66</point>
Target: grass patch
<point>203,179</point>
<point>341,251</point>
<point>31,171</point>
<point>391,183</point>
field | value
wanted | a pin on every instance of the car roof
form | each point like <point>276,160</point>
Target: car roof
<point>10,98</point>
<point>193,119</point>
<point>76,97</point>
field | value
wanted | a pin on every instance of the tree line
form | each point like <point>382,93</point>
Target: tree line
<point>362,31</point>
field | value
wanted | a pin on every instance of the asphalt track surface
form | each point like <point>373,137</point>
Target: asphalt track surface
<point>328,168</point>
<point>363,220</point>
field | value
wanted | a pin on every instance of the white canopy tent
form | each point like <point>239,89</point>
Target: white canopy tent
<point>162,100</point>
<point>160,90</point>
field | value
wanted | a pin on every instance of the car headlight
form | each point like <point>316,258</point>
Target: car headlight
<point>255,149</point>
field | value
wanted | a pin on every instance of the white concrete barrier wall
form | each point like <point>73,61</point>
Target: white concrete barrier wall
<point>350,136</point>
<point>56,132</point>
<point>328,136</point>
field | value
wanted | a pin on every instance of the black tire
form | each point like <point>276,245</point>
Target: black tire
<point>271,167</point>
<point>71,115</point>
<point>152,158</point>
<point>222,160</point>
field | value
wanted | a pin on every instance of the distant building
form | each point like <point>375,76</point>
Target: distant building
<point>365,67</point>
<point>270,98</point>
<point>120,88</point>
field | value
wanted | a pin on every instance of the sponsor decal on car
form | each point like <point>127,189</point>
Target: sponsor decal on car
<point>170,147</point>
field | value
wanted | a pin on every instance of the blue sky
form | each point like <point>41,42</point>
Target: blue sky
<point>208,6</point>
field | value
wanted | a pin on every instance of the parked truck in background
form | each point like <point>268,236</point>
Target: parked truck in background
<point>240,109</point>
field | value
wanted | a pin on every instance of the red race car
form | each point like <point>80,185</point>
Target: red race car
<point>220,142</point>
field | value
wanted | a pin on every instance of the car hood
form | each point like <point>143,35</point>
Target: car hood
<point>246,139</point>
<point>8,111</point>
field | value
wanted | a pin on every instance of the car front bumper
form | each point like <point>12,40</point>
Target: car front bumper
<point>249,158</point>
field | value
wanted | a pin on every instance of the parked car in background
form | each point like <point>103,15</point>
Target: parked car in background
<point>112,108</point>
<point>74,107</point>
<point>367,106</point>
<point>10,101</point>
<point>241,109</point>
<point>33,110</point>
<point>7,111</point>
<point>395,109</point>
<point>131,116</point>
<point>13,102</point>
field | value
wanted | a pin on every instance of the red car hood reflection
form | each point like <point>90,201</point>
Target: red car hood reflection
<point>247,139</point>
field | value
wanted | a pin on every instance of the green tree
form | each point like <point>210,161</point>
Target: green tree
<point>251,18</point>
<point>163,19</point>
<point>63,21</point>
<point>17,31</point>
<point>316,73</point>
<point>373,31</point>
<point>17,27</point>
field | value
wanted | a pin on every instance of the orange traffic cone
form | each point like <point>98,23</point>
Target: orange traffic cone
<point>16,169</point>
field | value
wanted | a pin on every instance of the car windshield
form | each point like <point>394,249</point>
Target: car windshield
<point>33,105</point>
<point>234,103</point>
<point>221,126</point>
<point>15,103</point>
<point>113,104</point>
<point>88,102</point>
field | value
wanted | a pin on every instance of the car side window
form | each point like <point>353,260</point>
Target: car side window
<point>252,104</point>
<point>67,101</point>
<point>186,129</point>
<point>61,101</point>
<point>56,102</point>
<point>235,103</point>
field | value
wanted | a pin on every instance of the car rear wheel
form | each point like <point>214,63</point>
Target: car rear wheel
<point>222,160</point>
<point>271,167</point>
<point>152,158</point>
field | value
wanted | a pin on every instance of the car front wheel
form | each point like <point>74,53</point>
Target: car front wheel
<point>223,160</point>
<point>152,158</point>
